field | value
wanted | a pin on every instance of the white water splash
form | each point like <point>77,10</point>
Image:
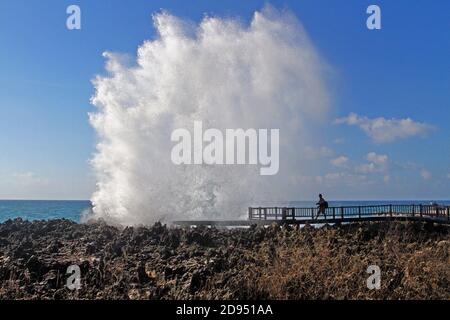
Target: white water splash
<point>220,72</point>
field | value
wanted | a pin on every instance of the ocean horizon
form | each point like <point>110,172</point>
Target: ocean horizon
<point>73,209</point>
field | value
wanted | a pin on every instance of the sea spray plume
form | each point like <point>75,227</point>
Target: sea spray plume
<point>225,74</point>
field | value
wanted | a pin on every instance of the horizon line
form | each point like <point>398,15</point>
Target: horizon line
<point>410,199</point>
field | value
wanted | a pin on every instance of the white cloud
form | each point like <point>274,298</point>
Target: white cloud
<point>339,141</point>
<point>377,163</point>
<point>334,179</point>
<point>317,152</point>
<point>367,168</point>
<point>426,175</point>
<point>408,165</point>
<point>417,169</point>
<point>340,162</point>
<point>382,130</point>
<point>26,179</point>
<point>377,158</point>
<point>344,178</point>
<point>24,175</point>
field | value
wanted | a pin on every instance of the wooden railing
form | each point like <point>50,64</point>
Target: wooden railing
<point>361,212</point>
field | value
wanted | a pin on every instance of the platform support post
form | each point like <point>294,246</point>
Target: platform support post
<point>283,213</point>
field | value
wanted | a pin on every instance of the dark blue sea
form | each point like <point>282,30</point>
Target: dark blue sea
<point>43,209</point>
<point>69,209</point>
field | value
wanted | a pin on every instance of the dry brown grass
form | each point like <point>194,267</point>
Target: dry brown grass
<point>331,263</point>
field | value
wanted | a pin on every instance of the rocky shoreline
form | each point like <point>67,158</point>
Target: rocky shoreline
<point>161,262</point>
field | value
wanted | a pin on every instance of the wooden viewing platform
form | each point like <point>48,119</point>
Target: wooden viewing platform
<point>294,215</point>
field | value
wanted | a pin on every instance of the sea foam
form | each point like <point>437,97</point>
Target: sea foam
<point>223,72</point>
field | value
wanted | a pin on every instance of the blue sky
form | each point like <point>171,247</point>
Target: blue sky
<point>401,71</point>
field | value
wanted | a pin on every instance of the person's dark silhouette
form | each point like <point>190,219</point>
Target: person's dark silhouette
<point>322,205</point>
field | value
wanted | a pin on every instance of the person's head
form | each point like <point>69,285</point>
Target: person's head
<point>320,196</point>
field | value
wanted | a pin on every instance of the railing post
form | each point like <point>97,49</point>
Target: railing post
<point>421,210</point>
<point>448,213</point>
<point>265,213</point>
<point>283,214</point>
<point>359,212</point>
<point>312,213</point>
<point>334,213</point>
<point>342,213</point>
<point>390,210</point>
<point>250,213</point>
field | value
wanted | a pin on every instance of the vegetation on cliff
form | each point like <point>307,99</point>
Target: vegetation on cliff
<point>159,262</point>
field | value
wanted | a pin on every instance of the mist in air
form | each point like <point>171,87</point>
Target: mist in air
<point>227,74</point>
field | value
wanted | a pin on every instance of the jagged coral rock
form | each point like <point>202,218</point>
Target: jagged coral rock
<point>161,262</point>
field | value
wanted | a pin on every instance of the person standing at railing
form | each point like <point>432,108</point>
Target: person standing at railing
<point>322,206</point>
